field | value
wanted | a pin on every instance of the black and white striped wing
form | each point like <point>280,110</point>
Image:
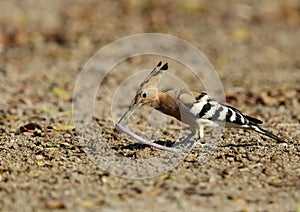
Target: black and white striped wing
<point>207,108</point>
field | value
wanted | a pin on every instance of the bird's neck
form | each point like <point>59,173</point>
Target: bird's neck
<point>167,105</point>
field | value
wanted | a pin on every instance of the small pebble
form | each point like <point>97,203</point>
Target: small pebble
<point>284,145</point>
<point>231,159</point>
<point>39,157</point>
<point>67,135</point>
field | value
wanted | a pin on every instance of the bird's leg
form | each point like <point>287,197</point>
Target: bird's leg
<point>186,143</point>
<point>201,132</point>
<point>200,136</point>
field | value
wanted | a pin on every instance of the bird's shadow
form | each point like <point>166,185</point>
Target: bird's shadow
<point>169,143</point>
<point>252,144</point>
<point>138,146</point>
<point>239,145</point>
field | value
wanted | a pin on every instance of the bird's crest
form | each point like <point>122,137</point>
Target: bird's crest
<point>151,81</point>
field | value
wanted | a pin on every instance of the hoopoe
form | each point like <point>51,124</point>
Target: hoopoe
<point>190,107</point>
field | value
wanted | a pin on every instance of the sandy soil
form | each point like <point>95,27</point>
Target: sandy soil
<point>254,47</point>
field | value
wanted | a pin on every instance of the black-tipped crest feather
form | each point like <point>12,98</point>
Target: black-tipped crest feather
<point>165,67</point>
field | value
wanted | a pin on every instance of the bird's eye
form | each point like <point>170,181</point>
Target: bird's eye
<point>144,95</point>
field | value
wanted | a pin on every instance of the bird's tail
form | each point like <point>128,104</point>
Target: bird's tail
<point>266,133</point>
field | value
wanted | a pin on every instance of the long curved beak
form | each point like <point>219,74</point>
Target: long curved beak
<point>129,112</point>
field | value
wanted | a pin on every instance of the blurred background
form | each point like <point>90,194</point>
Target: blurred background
<point>241,38</point>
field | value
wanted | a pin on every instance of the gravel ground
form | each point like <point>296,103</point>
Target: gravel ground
<point>254,46</point>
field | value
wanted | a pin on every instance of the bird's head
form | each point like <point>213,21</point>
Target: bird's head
<point>147,93</point>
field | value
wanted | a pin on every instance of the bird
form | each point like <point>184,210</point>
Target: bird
<point>196,109</point>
